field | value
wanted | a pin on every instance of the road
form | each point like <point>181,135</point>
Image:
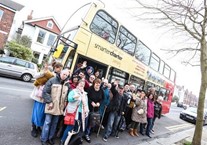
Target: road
<point>15,114</point>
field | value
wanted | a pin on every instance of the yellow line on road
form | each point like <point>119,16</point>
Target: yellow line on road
<point>2,108</point>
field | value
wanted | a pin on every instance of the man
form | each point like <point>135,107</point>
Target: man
<point>116,108</point>
<point>54,94</point>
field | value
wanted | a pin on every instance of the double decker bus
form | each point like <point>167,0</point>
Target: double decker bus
<point>93,35</point>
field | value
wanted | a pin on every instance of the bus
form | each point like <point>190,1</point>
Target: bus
<point>95,36</point>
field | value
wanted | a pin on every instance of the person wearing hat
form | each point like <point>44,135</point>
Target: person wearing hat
<point>116,108</point>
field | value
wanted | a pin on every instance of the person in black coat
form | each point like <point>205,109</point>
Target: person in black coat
<point>116,108</point>
<point>157,111</point>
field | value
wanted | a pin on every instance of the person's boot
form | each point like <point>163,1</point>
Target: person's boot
<point>131,132</point>
<point>135,132</point>
<point>34,131</point>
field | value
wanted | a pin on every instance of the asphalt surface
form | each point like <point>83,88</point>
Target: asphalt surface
<point>15,116</point>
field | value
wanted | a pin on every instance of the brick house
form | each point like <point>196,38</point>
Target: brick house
<point>43,32</point>
<point>8,9</point>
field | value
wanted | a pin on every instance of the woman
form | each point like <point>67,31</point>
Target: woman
<point>138,113</point>
<point>95,97</point>
<point>38,115</point>
<point>150,113</point>
<point>77,100</point>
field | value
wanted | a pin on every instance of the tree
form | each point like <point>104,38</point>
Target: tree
<point>189,18</point>
<point>19,51</point>
<point>24,40</point>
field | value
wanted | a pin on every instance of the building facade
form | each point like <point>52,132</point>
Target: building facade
<point>43,32</point>
<point>8,9</point>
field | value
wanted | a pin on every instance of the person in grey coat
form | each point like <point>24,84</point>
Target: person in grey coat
<point>54,95</point>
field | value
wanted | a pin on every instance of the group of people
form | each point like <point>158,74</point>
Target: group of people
<point>57,92</point>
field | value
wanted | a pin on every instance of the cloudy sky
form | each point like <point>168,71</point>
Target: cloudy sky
<point>155,39</point>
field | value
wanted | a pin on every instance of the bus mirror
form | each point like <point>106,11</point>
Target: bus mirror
<point>58,51</point>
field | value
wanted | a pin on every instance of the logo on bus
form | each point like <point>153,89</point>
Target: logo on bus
<point>112,53</point>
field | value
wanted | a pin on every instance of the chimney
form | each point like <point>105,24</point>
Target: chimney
<point>29,17</point>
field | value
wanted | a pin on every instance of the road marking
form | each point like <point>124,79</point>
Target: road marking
<point>15,89</point>
<point>2,108</point>
<point>179,127</point>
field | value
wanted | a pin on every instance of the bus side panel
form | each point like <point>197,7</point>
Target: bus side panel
<point>82,38</point>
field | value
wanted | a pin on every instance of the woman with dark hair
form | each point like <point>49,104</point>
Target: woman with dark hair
<point>78,103</point>
<point>74,81</point>
<point>95,97</point>
<point>150,113</point>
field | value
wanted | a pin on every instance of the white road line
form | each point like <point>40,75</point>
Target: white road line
<point>2,108</point>
<point>178,127</point>
<point>15,89</point>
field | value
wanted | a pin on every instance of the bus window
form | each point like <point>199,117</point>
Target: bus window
<point>167,71</point>
<point>119,75</point>
<point>172,75</point>
<point>142,53</point>
<point>161,66</point>
<point>164,93</point>
<point>139,83</point>
<point>126,41</point>
<point>104,26</point>
<point>154,62</point>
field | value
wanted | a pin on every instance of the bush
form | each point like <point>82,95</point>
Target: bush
<point>175,99</point>
<point>19,51</point>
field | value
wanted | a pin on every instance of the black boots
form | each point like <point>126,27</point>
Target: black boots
<point>34,131</point>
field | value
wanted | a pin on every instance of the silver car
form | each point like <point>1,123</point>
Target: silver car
<point>15,67</point>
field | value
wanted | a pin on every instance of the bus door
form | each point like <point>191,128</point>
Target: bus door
<point>118,75</point>
<point>97,66</point>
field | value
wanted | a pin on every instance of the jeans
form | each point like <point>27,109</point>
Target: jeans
<point>141,128</point>
<point>149,125</point>
<point>65,134</point>
<point>112,124</point>
<point>153,122</point>
<point>49,127</point>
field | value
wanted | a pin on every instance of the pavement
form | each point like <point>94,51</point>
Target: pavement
<point>174,139</point>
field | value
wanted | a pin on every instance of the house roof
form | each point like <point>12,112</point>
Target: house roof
<point>11,4</point>
<point>42,19</point>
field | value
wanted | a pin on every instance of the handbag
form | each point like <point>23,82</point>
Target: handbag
<point>140,111</point>
<point>69,118</point>
<point>95,118</point>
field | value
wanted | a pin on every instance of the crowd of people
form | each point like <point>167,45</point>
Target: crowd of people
<point>65,101</point>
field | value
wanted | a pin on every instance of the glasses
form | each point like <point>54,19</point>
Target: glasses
<point>92,78</point>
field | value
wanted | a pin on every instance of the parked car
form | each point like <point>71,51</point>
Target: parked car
<point>190,114</point>
<point>15,67</point>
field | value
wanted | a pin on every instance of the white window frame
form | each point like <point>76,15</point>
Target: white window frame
<point>50,23</point>
<point>1,14</point>
<point>42,37</point>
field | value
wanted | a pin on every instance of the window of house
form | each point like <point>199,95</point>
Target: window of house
<point>104,26</point>
<point>142,53</point>
<point>1,14</point>
<point>41,36</point>
<point>50,24</point>
<point>50,40</point>
<point>126,41</point>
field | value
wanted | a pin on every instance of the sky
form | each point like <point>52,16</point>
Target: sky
<point>155,39</point>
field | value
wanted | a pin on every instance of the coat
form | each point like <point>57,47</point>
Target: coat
<point>139,104</point>
<point>55,91</point>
